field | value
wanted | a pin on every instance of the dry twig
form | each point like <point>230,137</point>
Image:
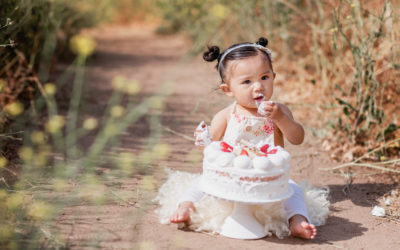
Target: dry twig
<point>357,162</point>
<point>177,133</point>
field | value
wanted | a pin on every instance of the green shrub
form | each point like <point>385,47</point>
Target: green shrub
<point>41,28</point>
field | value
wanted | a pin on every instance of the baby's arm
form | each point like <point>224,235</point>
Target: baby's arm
<point>219,123</point>
<point>283,119</point>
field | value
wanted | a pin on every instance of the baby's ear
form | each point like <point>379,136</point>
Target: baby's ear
<point>225,88</point>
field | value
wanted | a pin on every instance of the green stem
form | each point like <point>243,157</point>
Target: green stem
<point>74,107</point>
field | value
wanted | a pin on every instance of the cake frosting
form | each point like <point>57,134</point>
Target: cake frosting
<point>245,172</point>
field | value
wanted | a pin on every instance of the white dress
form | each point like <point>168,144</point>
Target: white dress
<point>211,212</point>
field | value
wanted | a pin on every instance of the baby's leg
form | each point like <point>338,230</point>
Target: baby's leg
<point>186,204</point>
<point>297,215</point>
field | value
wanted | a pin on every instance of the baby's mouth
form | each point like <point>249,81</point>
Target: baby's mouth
<point>259,98</point>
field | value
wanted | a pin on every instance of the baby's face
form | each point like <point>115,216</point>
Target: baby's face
<point>250,80</point>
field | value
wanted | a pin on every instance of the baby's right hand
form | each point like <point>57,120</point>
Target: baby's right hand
<point>270,109</point>
<point>263,106</point>
<point>202,135</point>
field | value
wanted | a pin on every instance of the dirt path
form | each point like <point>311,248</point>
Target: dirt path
<point>136,53</point>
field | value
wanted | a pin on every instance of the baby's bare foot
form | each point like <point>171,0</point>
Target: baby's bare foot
<point>182,214</point>
<point>299,227</point>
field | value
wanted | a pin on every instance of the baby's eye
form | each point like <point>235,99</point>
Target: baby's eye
<point>264,77</point>
<point>246,82</point>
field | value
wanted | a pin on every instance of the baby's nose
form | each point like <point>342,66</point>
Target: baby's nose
<point>258,86</point>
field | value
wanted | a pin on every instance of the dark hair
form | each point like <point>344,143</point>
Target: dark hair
<point>213,53</point>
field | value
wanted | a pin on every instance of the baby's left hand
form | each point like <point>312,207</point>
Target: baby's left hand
<point>202,135</point>
<point>272,110</point>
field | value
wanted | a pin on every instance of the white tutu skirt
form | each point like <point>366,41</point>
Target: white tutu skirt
<point>211,212</point>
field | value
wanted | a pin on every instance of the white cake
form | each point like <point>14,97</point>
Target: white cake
<point>246,173</point>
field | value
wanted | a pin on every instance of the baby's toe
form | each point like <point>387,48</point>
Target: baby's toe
<point>308,226</point>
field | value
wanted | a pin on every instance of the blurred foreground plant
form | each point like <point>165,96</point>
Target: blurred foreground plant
<point>53,156</point>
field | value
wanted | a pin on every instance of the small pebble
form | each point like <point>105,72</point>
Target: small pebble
<point>378,211</point>
<point>388,201</point>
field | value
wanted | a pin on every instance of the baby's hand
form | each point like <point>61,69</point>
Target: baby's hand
<point>271,110</point>
<point>202,135</point>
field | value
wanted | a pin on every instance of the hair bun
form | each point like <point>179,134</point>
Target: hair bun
<point>211,54</point>
<point>262,41</point>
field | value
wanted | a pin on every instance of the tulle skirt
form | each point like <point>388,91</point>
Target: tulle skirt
<point>211,212</point>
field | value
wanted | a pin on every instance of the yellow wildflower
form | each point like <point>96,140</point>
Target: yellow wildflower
<point>82,45</point>
<point>148,182</point>
<point>132,87</point>
<point>14,108</point>
<point>14,200</point>
<point>118,82</point>
<point>50,88</point>
<point>220,11</point>
<point>55,124</point>
<point>40,210</point>
<point>90,123</point>
<point>37,137</point>
<point>117,111</point>
<point>3,161</point>
<point>161,150</point>
<point>26,153</point>
<point>126,161</point>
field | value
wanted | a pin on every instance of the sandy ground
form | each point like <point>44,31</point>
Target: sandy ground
<point>136,53</point>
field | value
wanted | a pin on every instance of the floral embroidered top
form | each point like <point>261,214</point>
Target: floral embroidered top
<point>256,130</point>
